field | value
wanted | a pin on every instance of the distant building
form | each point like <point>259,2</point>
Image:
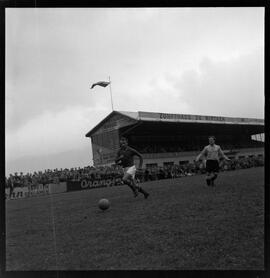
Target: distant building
<point>165,139</point>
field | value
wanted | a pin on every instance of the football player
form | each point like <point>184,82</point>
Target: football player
<point>212,152</point>
<point>125,158</point>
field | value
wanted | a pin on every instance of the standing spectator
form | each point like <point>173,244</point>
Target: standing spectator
<point>11,185</point>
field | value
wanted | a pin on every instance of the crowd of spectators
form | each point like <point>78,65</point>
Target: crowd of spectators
<point>63,175</point>
<point>190,169</point>
<point>114,171</point>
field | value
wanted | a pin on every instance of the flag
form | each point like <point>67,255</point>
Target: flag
<point>101,83</point>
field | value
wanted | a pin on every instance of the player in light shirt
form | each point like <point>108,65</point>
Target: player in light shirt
<point>212,153</point>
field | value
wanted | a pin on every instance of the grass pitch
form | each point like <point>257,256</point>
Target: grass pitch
<point>184,225</point>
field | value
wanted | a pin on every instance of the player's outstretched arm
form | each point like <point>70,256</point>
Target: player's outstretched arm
<point>118,158</point>
<point>141,161</point>
<point>140,157</point>
<point>203,152</point>
<point>222,154</point>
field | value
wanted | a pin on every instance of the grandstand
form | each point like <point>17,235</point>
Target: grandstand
<point>167,139</point>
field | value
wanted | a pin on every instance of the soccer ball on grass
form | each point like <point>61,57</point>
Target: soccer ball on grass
<point>103,204</point>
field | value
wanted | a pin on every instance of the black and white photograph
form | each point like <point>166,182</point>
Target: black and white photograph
<point>135,138</point>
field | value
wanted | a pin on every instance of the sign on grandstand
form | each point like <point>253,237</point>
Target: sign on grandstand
<point>89,184</point>
<point>196,118</point>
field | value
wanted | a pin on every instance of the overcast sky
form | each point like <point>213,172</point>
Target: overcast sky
<point>207,61</point>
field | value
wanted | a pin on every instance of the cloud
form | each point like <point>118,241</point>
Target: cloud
<point>153,95</point>
<point>155,60</point>
<point>52,133</point>
<point>67,159</point>
<point>54,54</point>
<point>230,88</point>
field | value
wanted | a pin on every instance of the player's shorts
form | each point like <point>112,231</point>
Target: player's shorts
<point>212,166</point>
<point>130,170</point>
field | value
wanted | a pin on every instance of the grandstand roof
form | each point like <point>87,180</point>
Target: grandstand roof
<point>177,118</point>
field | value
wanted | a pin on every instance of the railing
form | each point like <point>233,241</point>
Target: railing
<point>195,153</point>
<point>171,154</point>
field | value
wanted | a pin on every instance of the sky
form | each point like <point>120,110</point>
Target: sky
<point>205,61</point>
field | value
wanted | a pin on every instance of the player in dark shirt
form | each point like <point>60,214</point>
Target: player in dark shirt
<point>11,182</point>
<point>125,158</point>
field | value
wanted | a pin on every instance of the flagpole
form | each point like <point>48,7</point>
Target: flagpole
<point>111,93</point>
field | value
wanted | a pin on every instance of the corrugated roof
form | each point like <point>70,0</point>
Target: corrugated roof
<point>133,115</point>
<point>178,118</point>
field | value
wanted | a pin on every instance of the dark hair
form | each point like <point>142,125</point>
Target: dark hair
<point>212,137</point>
<point>123,138</point>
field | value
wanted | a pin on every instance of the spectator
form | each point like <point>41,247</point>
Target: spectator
<point>114,172</point>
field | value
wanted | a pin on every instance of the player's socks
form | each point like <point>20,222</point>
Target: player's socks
<point>146,194</point>
<point>135,193</point>
<point>132,187</point>
<point>212,179</point>
<point>134,190</point>
<point>208,180</point>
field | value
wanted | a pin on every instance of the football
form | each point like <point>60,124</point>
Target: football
<point>103,204</point>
